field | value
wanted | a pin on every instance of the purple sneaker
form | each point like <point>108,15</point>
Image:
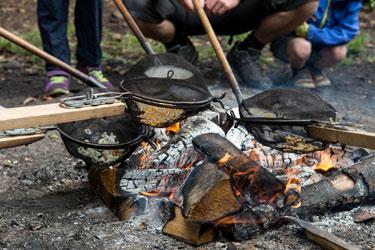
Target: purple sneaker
<point>57,84</point>
<point>97,73</point>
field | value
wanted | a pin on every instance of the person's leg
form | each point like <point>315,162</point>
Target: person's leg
<point>166,22</point>
<point>331,56</point>
<point>325,58</point>
<point>88,23</point>
<point>53,23</point>
<point>298,52</point>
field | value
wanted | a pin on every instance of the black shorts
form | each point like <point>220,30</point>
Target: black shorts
<point>245,17</point>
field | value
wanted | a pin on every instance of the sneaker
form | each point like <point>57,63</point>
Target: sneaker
<point>246,65</point>
<point>320,79</point>
<point>302,79</point>
<point>97,73</point>
<point>57,84</point>
<point>186,51</point>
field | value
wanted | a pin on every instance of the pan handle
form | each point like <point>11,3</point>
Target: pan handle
<point>49,58</point>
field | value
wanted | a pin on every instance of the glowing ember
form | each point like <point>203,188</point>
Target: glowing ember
<point>151,194</point>
<point>174,129</point>
<point>224,160</point>
<point>325,163</point>
<point>292,191</point>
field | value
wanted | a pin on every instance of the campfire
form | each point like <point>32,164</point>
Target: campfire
<point>208,178</point>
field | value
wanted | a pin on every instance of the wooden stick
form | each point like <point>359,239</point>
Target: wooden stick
<point>15,141</point>
<point>356,138</point>
<point>219,51</point>
<point>51,59</point>
<point>134,27</point>
<point>49,114</point>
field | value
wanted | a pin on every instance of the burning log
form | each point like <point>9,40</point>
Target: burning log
<point>208,194</point>
<point>105,183</point>
<point>347,186</point>
<point>191,232</point>
<point>178,151</point>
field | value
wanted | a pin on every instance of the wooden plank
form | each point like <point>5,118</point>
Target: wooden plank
<point>193,233</point>
<point>15,141</point>
<point>347,137</point>
<point>49,114</point>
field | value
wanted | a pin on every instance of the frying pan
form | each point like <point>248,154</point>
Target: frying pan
<point>164,88</point>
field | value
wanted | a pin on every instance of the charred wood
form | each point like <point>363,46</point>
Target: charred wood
<point>348,186</point>
<point>208,194</point>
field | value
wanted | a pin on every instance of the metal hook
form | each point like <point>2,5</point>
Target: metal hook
<point>170,74</point>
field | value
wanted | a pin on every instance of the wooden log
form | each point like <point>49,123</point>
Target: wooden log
<point>208,194</point>
<point>106,183</point>
<point>15,141</point>
<point>49,114</point>
<point>348,186</point>
<point>190,232</point>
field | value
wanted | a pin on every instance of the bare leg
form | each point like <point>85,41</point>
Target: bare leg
<point>283,22</point>
<point>163,32</point>
<point>299,51</point>
<point>331,56</point>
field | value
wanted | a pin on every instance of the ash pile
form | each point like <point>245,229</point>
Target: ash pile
<point>207,178</point>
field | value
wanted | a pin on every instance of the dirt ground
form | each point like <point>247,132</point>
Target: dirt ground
<point>47,203</point>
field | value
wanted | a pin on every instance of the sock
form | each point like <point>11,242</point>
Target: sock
<point>251,42</point>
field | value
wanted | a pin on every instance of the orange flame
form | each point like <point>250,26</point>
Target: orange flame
<point>174,129</point>
<point>293,184</point>
<point>325,163</point>
<point>151,193</point>
<point>224,159</point>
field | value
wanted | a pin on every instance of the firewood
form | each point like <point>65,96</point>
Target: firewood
<point>106,183</point>
<point>208,195</point>
<point>348,186</point>
<point>190,232</point>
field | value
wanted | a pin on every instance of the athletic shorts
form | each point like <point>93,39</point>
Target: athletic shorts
<point>245,17</point>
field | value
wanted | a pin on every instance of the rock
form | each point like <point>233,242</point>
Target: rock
<point>26,182</point>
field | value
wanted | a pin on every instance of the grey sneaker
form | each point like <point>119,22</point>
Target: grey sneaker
<point>186,51</point>
<point>245,64</point>
<point>302,79</point>
<point>320,79</point>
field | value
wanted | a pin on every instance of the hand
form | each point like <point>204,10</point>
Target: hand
<point>302,30</point>
<point>188,4</point>
<point>219,7</point>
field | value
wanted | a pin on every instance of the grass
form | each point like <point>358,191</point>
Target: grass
<point>127,48</point>
<point>357,49</point>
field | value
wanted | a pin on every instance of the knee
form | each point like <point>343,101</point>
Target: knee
<point>337,53</point>
<point>299,49</point>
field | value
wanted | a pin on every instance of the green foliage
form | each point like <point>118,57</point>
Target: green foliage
<point>358,44</point>
<point>357,49</point>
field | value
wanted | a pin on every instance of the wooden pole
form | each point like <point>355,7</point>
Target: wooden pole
<point>219,51</point>
<point>134,27</point>
<point>51,59</point>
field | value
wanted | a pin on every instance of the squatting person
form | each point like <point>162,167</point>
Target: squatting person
<point>320,42</point>
<point>171,22</point>
<point>53,25</point>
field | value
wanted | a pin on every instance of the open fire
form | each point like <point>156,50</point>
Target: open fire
<point>211,183</point>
